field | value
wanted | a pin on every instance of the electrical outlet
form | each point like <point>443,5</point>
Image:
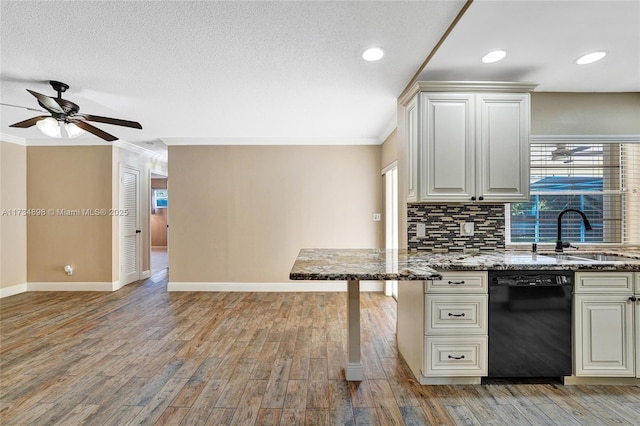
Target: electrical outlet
<point>421,230</point>
<point>466,228</point>
<point>377,217</point>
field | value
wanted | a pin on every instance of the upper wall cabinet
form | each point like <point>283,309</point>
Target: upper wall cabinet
<point>467,141</point>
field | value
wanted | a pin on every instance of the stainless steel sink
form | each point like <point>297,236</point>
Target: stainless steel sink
<point>598,257</point>
<point>594,257</point>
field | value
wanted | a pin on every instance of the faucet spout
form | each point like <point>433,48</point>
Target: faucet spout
<point>561,245</point>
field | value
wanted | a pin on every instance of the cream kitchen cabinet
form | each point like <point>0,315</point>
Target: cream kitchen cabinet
<point>637,323</point>
<point>607,324</point>
<point>442,327</point>
<point>467,141</point>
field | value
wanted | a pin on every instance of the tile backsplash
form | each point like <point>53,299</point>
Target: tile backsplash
<point>442,224</point>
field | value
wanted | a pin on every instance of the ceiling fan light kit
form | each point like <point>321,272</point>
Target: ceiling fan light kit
<point>64,111</point>
<point>73,130</point>
<point>50,127</point>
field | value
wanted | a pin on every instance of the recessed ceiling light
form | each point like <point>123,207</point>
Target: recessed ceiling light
<point>494,56</point>
<point>373,54</point>
<point>591,57</point>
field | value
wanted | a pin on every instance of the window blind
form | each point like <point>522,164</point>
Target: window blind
<point>601,179</point>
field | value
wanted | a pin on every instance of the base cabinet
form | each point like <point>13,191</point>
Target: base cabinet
<point>442,328</point>
<point>606,324</point>
<point>637,323</point>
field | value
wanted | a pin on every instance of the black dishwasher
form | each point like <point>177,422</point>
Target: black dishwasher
<point>530,324</point>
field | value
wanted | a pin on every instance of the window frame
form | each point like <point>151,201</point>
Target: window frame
<point>568,139</point>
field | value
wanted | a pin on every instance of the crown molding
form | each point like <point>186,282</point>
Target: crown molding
<point>139,149</point>
<point>13,139</point>
<point>467,86</point>
<point>270,141</point>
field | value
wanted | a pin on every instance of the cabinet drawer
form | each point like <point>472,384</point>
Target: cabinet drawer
<point>458,282</point>
<point>455,314</point>
<point>604,282</point>
<point>455,356</point>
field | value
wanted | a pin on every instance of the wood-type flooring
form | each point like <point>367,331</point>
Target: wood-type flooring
<point>143,356</point>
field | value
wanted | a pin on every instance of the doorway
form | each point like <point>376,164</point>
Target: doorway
<point>159,223</point>
<point>390,174</point>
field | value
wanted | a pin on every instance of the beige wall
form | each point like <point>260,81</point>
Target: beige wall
<point>13,226</point>
<point>242,213</point>
<point>69,177</point>
<point>389,150</point>
<point>585,113</point>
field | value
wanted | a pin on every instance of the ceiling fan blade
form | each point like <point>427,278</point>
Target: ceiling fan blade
<point>48,102</point>
<point>30,122</point>
<point>92,129</point>
<point>108,120</point>
<point>23,107</point>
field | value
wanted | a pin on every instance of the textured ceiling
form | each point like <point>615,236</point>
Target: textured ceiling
<point>291,72</point>
<point>230,72</point>
<point>543,40</point>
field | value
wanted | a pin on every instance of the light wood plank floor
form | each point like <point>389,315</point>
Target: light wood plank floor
<point>145,356</point>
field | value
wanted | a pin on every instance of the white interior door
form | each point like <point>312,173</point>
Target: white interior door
<point>130,232</point>
<point>391,221</point>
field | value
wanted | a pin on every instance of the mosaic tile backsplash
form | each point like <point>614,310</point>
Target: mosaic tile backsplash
<point>442,223</point>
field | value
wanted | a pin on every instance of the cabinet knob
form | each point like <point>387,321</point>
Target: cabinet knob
<point>473,198</point>
<point>481,198</point>
<point>633,298</point>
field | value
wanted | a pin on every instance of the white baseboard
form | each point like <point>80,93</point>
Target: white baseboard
<point>73,286</point>
<point>293,286</point>
<point>13,290</point>
<point>145,274</point>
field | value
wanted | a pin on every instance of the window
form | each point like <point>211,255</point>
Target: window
<point>160,198</point>
<point>601,178</point>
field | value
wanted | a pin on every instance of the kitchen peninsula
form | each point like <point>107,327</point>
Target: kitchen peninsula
<point>354,265</point>
<point>424,338</point>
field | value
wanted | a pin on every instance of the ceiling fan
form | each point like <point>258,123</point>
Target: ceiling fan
<point>562,152</point>
<point>66,112</point>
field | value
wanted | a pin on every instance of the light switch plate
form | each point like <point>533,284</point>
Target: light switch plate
<point>377,217</point>
<point>421,230</point>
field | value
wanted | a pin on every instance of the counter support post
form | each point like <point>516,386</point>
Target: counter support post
<point>354,370</point>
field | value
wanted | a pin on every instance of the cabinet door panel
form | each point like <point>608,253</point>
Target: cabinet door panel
<point>412,151</point>
<point>503,134</point>
<point>604,336</point>
<point>448,135</point>
<point>636,334</point>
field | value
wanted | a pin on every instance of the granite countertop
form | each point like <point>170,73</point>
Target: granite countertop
<point>362,264</point>
<point>405,265</point>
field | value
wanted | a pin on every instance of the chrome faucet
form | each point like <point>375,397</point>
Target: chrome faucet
<point>562,245</point>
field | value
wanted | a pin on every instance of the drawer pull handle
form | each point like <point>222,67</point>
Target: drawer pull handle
<point>456,315</point>
<point>456,282</point>
<point>456,357</point>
